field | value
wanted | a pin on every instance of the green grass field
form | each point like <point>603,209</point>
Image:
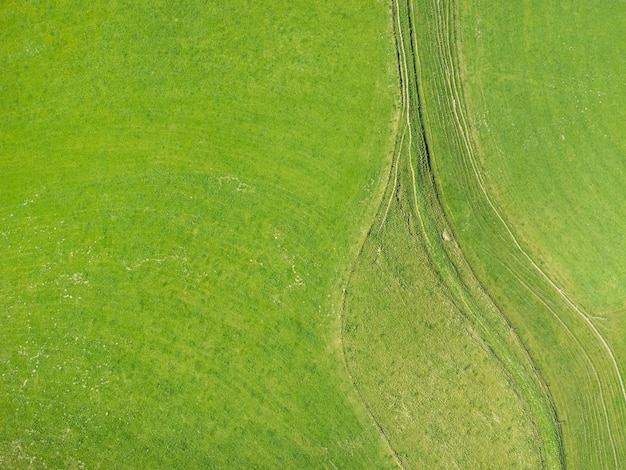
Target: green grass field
<point>521,107</point>
<point>303,235</point>
<point>447,379</point>
<point>184,187</point>
<point>528,155</point>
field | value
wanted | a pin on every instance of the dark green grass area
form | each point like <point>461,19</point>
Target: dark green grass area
<point>183,188</point>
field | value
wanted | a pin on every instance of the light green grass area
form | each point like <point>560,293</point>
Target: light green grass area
<point>551,120</point>
<point>441,371</point>
<point>183,188</point>
<point>528,149</point>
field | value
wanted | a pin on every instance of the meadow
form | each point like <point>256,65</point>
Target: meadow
<point>184,187</point>
<point>504,214</point>
<point>528,156</point>
<point>359,235</point>
<point>444,374</point>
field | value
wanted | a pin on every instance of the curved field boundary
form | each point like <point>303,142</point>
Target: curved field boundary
<point>590,389</point>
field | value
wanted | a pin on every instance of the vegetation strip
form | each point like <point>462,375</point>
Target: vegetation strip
<point>411,177</point>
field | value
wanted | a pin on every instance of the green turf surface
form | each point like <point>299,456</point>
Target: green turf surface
<point>445,376</point>
<point>525,132</point>
<point>185,189</point>
<point>552,123</point>
<point>184,186</point>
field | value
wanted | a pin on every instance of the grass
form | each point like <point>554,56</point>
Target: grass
<point>572,165</point>
<point>527,154</point>
<point>440,369</point>
<point>183,190</point>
